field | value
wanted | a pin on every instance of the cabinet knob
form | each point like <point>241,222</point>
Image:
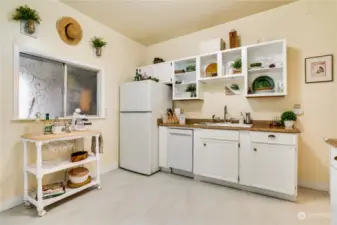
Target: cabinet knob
<point>336,158</point>
<point>271,136</point>
<point>204,144</point>
<point>255,150</point>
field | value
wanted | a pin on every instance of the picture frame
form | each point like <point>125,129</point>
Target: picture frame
<point>319,69</point>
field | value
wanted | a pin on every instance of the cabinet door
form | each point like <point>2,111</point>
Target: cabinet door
<point>164,72</point>
<point>275,168</point>
<point>333,194</point>
<point>217,159</point>
<point>163,147</point>
<point>146,70</point>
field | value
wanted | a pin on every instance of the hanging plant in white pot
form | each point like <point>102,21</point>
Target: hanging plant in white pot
<point>288,118</point>
<point>98,44</point>
<point>27,15</point>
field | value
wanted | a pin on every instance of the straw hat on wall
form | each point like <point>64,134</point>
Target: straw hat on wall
<point>70,30</point>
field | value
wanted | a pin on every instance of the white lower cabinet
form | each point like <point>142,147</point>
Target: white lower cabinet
<point>274,168</point>
<point>163,134</point>
<point>269,166</point>
<point>261,161</point>
<point>333,185</point>
<point>216,157</point>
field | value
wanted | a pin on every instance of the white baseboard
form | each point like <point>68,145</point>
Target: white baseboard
<point>109,168</point>
<point>13,202</point>
<point>320,186</point>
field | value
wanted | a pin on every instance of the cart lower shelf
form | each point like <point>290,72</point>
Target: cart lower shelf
<point>69,192</point>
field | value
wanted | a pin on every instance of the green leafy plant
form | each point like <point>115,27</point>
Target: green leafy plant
<point>288,116</point>
<point>237,64</point>
<point>191,88</point>
<point>190,68</point>
<point>24,12</point>
<point>235,87</point>
<point>98,42</point>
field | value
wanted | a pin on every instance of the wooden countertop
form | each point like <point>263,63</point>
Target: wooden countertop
<point>262,126</point>
<point>332,142</point>
<point>50,137</point>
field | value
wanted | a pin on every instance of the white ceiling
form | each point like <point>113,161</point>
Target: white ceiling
<point>153,21</point>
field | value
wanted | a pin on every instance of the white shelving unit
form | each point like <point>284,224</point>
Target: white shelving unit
<point>42,168</point>
<point>267,53</point>
<point>182,80</point>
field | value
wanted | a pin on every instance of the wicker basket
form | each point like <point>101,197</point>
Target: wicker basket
<point>79,156</point>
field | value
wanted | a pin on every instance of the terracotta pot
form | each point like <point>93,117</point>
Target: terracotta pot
<point>30,26</point>
<point>99,51</point>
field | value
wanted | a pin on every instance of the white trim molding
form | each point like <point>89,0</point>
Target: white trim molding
<point>38,53</point>
<point>319,186</point>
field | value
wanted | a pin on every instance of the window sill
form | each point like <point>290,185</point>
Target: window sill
<point>61,118</point>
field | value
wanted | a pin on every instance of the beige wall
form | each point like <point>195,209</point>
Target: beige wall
<point>309,31</point>
<point>119,61</point>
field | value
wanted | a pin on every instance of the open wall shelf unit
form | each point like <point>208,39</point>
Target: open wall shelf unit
<point>270,59</point>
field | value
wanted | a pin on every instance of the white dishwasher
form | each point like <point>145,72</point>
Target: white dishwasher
<point>180,149</point>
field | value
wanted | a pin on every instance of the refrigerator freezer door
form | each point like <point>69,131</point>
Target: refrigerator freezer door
<point>135,97</point>
<point>135,142</point>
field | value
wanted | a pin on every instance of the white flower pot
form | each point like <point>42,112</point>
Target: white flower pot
<point>289,124</point>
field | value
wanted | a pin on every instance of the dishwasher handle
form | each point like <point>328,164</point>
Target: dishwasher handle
<point>181,134</point>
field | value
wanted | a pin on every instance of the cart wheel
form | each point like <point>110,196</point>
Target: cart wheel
<point>42,213</point>
<point>28,204</point>
<point>99,187</point>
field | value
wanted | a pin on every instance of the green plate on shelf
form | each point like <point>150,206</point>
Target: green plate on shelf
<point>263,84</point>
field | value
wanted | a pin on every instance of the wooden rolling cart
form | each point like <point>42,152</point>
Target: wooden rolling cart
<point>40,169</point>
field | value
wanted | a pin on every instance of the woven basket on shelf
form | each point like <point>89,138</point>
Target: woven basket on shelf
<point>79,156</point>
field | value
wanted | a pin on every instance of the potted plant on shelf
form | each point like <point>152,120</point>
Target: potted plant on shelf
<point>192,88</point>
<point>29,16</point>
<point>237,65</point>
<point>98,43</point>
<point>288,119</point>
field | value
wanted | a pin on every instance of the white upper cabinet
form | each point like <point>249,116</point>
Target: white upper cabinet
<point>267,69</point>
<point>261,67</point>
<point>185,79</point>
<point>163,71</point>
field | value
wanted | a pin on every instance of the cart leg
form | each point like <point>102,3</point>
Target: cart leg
<point>25,174</point>
<point>39,177</point>
<point>41,212</point>
<point>98,180</point>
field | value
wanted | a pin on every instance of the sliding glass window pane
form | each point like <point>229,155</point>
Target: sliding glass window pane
<point>41,84</point>
<point>81,90</point>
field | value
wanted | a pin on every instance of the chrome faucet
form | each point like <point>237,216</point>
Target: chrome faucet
<point>225,114</point>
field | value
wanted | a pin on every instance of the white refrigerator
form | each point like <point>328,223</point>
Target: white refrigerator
<point>141,104</point>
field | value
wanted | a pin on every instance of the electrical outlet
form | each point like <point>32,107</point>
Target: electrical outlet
<point>297,110</point>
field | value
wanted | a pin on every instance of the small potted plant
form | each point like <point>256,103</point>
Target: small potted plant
<point>98,43</point>
<point>29,16</point>
<point>288,119</point>
<point>237,65</point>
<point>192,88</point>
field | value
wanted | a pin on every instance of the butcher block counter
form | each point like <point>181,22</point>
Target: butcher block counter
<point>258,125</point>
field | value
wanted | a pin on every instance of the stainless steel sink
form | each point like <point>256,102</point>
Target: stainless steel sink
<point>227,125</point>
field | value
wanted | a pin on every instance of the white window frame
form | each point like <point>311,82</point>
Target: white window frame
<point>16,73</point>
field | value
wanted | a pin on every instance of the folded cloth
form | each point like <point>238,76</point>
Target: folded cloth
<point>100,143</point>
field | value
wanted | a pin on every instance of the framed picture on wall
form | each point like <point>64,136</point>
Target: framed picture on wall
<point>319,69</point>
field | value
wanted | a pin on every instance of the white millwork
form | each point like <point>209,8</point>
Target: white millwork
<point>40,169</point>
<point>333,184</point>
<point>267,53</point>
<point>262,162</point>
